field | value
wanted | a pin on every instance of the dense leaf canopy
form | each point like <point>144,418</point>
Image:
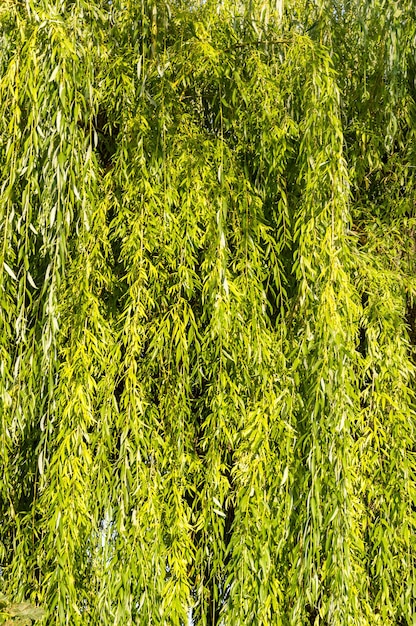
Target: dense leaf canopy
<point>207,282</point>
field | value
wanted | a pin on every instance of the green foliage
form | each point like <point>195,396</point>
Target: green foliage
<point>20,614</point>
<point>208,316</point>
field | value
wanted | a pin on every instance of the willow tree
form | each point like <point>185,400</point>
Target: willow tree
<point>207,283</point>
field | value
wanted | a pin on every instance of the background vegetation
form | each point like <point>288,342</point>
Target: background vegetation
<point>207,379</point>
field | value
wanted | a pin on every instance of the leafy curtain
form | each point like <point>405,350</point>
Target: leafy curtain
<point>207,311</point>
